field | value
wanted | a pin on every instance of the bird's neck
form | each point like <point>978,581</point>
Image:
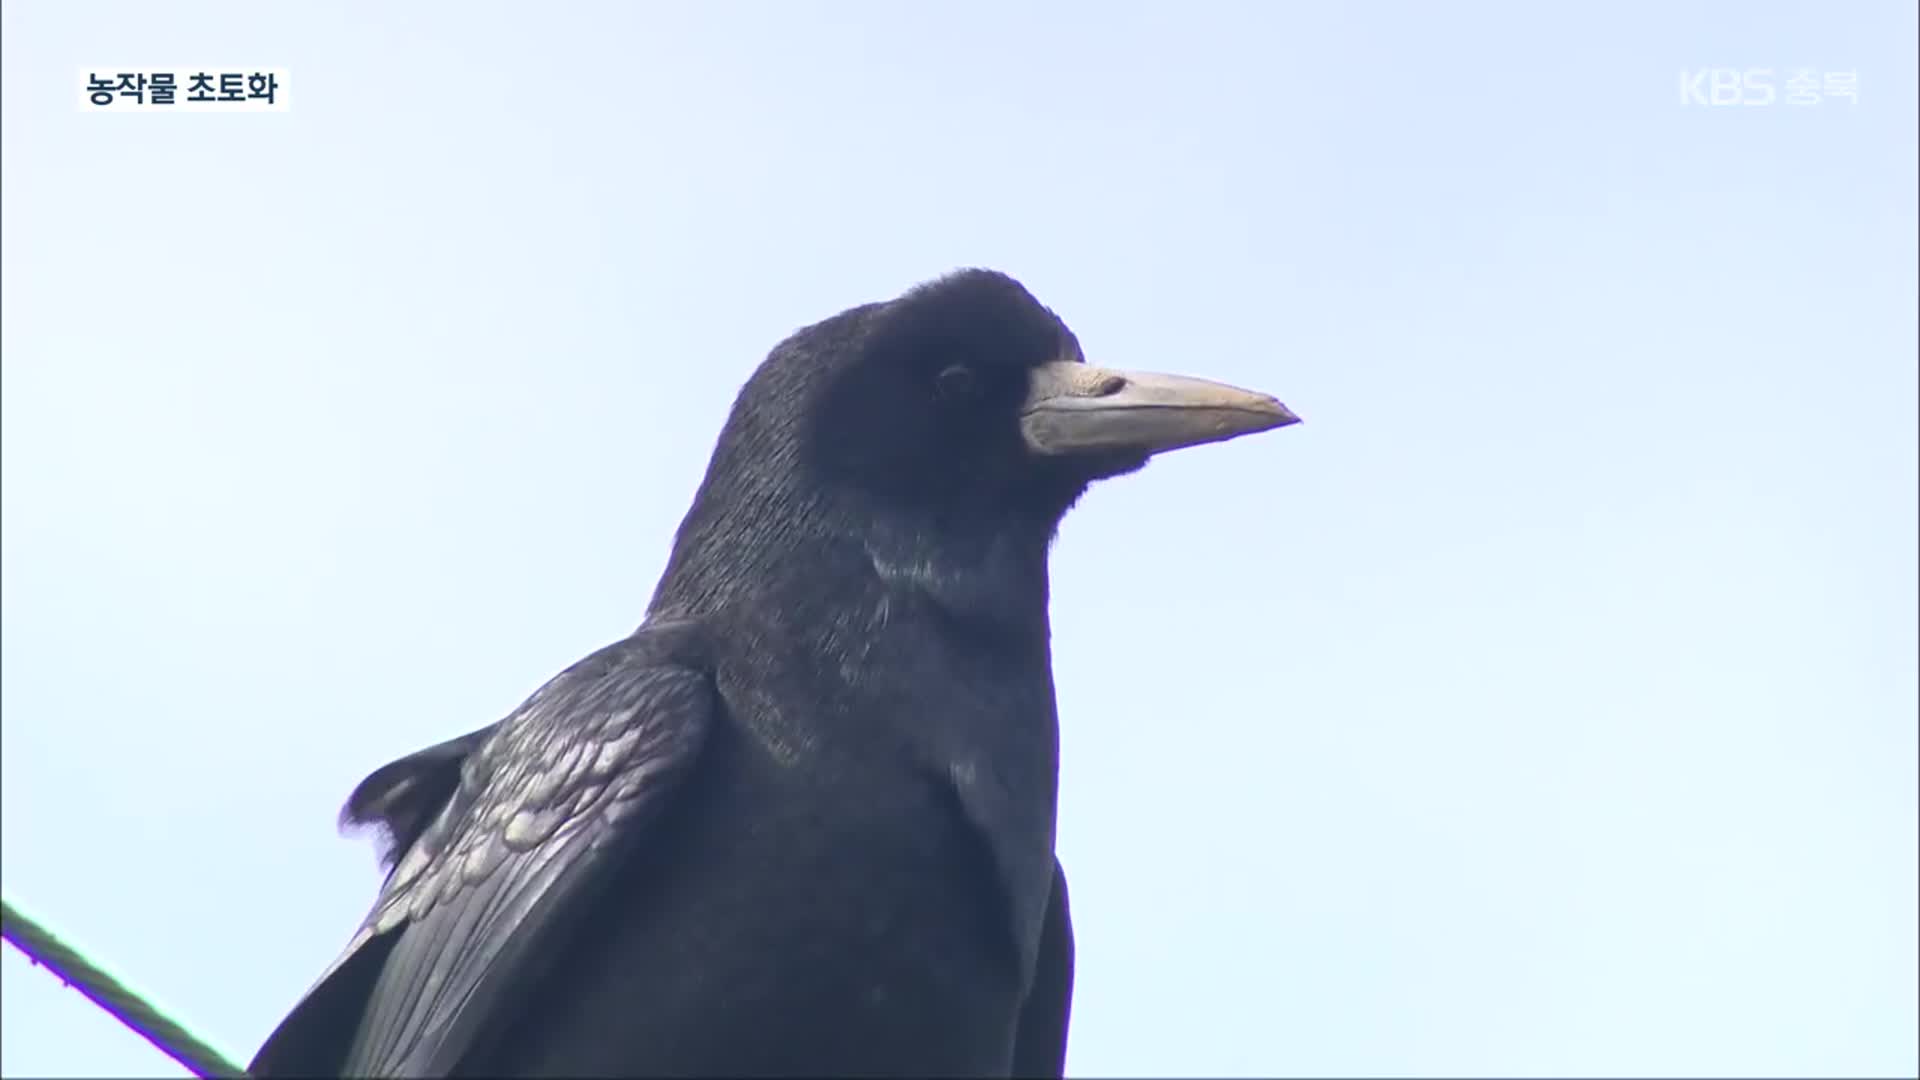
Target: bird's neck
<point>834,554</point>
<point>880,608</point>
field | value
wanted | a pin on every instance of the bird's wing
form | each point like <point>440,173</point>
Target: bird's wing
<point>542,802</point>
<point>1040,1042</point>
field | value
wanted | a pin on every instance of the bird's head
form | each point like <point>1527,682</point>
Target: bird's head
<point>961,414</point>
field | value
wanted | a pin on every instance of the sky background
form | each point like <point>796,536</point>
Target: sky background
<point>1545,704</point>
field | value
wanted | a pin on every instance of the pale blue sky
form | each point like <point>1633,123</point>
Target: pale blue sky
<point>1545,704</point>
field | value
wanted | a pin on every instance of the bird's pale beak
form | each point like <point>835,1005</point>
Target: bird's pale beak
<point>1080,409</point>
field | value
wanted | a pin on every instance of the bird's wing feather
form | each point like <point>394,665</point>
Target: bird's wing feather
<point>1040,1041</point>
<point>479,897</point>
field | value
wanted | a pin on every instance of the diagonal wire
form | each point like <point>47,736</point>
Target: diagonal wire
<point>42,948</point>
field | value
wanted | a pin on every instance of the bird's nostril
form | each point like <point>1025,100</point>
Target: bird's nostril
<point>1109,385</point>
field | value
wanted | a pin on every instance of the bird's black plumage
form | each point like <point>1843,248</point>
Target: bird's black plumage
<point>802,821</point>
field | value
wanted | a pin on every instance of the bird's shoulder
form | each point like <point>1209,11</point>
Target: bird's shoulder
<point>585,748</point>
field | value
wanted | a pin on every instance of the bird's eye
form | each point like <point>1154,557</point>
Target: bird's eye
<point>955,383</point>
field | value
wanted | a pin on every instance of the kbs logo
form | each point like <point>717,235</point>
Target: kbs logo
<point>1722,86</point>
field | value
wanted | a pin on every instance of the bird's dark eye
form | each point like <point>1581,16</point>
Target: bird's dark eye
<point>955,383</point>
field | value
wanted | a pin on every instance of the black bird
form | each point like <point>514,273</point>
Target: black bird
<point>802,821</point>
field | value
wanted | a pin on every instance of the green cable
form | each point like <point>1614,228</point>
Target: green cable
<point>42,948</point>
